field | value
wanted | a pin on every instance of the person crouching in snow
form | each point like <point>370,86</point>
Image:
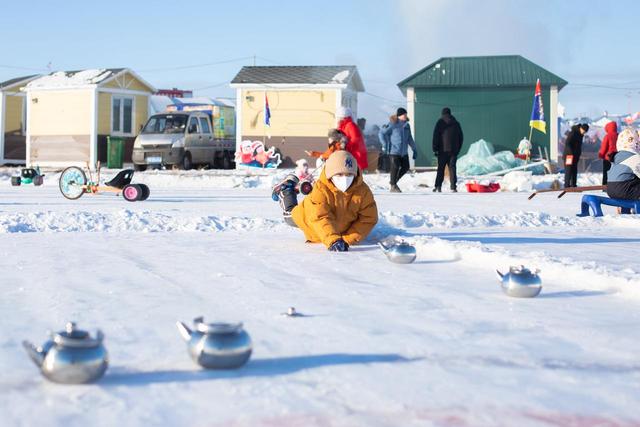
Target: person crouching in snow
<point>340,211</point>
<point>337,142</point>
<point>623,179</point>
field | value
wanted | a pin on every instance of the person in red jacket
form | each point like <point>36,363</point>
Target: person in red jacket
<point>356,145</point>
<point>608,148</point>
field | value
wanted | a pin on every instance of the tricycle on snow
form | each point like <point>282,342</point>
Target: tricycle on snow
<point>74,183</point>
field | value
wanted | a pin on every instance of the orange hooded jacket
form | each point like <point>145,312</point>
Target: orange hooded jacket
<point>328,214</point>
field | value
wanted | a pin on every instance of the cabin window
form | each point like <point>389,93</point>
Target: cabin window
<point>204,124</point>
<point>122,115</point>
<point>193,125</point>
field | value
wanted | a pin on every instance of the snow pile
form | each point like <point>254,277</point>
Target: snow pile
<point>517,181</point>
<point>512,219</point>
<point>128,221</point>
<point>62,79</point>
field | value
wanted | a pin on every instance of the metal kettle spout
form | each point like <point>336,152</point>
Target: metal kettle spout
<point>384,248</point>
<point>37,354</point>
<point>184,330</point>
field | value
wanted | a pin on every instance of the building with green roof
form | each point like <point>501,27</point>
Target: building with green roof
<point>491,96</point>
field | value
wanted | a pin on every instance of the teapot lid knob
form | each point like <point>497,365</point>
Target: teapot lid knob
<point>70,327</point>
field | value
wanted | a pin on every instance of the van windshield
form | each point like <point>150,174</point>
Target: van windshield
<point>171,123</point>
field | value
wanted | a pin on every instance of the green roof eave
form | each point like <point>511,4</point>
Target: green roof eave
<point>481,72</point>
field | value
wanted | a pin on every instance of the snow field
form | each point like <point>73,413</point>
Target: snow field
<point>431,343</point>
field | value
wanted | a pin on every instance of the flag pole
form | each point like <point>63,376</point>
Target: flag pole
<point>264,120</point>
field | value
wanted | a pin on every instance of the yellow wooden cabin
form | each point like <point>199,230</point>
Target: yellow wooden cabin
<point>13,113</point>
<point>302,100</point>
<point>70,114</point>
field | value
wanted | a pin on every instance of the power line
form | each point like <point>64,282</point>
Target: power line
<point>599,86</point>
<point>395,101</point>
<point>208,64</point>
<point>213,85</point>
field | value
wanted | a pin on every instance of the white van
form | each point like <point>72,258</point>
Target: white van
<point>184,139</point>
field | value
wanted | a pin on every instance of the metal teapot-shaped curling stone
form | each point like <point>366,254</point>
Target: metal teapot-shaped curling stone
<point>217,345</point>
<point>520,282</point>
<point>71,356</point>
<point>401,253</point>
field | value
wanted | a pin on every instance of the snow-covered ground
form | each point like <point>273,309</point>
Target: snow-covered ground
<point>431,343</point>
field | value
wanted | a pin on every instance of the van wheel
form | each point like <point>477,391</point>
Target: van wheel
<point>215,164</point>
<point>186,163</point>
<point>226,160</point>
<point>139,168</point>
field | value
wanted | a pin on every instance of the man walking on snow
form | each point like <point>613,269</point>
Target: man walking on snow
<point>400,139</point>
<point>572,153</point>
<point>447,143</point>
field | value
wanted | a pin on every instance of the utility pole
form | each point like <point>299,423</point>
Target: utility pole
<point>254,60</point>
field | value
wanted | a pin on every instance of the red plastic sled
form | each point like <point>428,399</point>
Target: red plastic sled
<point>474,187</point>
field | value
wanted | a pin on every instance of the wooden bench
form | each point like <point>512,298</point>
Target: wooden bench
<point>595,203</point>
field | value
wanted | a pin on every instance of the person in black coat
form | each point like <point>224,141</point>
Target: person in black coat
<point>447,143</point>
<point>572,152</point>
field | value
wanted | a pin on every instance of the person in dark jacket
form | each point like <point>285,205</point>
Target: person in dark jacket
<point>608,148</point>
<point>572,152</point>
<point>447,143</point>
<point>624,175</point>
<point>400,139</point>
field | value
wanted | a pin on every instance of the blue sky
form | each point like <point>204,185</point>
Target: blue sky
<point>589,43</point>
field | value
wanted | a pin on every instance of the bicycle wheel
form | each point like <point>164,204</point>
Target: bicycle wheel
<point>72,182</point>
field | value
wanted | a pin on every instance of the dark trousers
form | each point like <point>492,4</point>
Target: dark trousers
<point>383,163</point>
<point>606,165</point>
<point>629,190</point>
<point>447,159</point>
<point>399,165</point>
<point>571,173</point>
<point>289,198</point>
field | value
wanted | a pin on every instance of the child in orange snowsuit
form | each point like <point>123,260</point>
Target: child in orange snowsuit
<point>337,142</point>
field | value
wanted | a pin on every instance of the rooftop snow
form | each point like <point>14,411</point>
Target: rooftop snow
<point>340,77</point>
<point>307,75</point>
<point>68,79</point>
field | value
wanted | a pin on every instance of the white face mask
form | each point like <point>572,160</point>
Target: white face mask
<point>342,182</point>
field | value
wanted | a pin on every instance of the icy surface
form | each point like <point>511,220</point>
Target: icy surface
<point>380,344</point>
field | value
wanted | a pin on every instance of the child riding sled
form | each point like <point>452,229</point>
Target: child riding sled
<point>340,211</point>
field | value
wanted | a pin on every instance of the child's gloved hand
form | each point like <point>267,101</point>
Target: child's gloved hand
<point>415,155</point>
<point>339,246</point>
